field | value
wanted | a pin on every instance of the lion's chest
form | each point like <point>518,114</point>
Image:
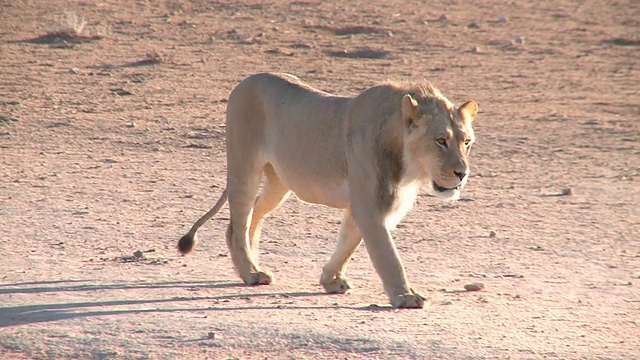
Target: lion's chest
<point>405,199</point>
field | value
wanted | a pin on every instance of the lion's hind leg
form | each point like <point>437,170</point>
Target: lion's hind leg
<point>333,279</point>
<point>243,183</point>
<point>274,193</point>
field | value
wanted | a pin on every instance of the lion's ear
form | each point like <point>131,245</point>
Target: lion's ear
<point>468,110</point>
<point>409,110</point>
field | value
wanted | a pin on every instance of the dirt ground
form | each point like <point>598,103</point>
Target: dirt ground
<point>112,142</point>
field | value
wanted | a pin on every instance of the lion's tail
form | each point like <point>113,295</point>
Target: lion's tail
<point>188,242</point>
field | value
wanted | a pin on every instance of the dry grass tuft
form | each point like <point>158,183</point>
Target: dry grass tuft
<point>67,28</point>
<point>69,24</point>
<point>152,58</point>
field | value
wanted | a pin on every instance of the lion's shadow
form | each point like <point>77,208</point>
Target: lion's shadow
<point>38,313</point>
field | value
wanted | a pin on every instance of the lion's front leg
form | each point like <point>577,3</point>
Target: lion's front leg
<point>384,255</point>
<point>333,279</point>
<point>387,263</point>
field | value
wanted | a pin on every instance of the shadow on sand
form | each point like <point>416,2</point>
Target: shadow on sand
<point>37,313</point>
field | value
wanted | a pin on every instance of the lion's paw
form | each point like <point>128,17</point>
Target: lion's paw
<point>259,278</point>
<point>338,285</point>
<point>411,300</point>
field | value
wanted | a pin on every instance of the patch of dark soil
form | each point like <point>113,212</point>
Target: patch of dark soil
<point>623,42</point>
<point>61,37</point>
<point>353,29</point>
<point>360,53</point>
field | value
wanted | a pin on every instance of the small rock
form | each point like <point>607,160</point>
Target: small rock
<point>122,92</point>
<point>502,19</point>
<point>562,15</point>
<point>211,335</point>
<point>74,71</point>
<point>474,25</point>
<point>138,254</point>
<point>515,276</point>
<point>454,291</point>
<point>477,50</point>
<point>474,286</point>
<point>567,192</point>
<point>519,40</point>
<point>493,234</point>
<point>443,17</point>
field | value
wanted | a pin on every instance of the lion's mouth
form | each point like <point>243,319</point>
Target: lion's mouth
<point>439,188</point>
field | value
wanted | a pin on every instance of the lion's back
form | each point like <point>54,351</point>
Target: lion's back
<point>299,130</point>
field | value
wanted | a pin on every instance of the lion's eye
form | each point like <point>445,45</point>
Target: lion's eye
<point>467,143</point>
<point>442,142</point>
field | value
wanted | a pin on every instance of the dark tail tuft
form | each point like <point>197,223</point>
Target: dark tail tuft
<point>187,243</point>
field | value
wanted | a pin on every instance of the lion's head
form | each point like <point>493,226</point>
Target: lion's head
<point>437,140</point>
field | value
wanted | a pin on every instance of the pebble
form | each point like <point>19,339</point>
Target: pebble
<point>455,291</point>
<point>477,50</point>
<point>138,254</point>
<point>474,286</point>
<point>502,19</point>
<point>474,25</point>
<point>567,192</point>
<point>493,234</point>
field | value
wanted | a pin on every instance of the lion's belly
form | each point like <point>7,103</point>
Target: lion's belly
<point>333,195</point>
<point>323,190</point>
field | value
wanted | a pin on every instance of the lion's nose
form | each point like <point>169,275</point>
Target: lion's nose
<point>460,174</point>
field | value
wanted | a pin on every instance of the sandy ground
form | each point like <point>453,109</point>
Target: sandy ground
<point>113,142</point>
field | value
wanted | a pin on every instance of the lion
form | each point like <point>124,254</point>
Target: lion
<point>367,155</point>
